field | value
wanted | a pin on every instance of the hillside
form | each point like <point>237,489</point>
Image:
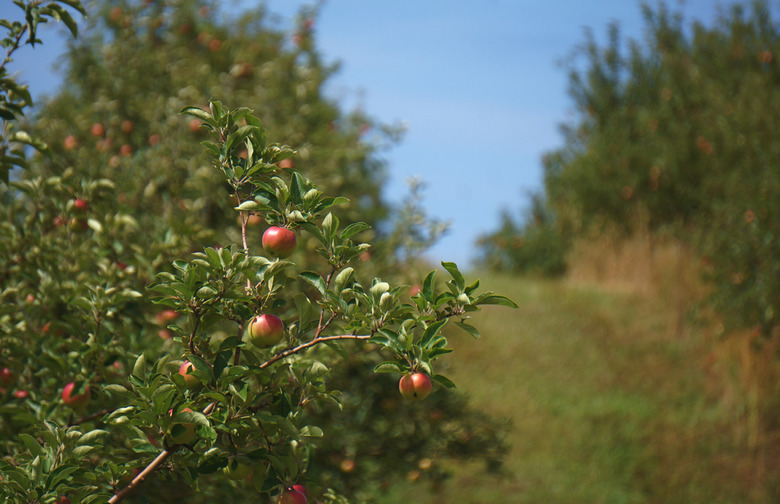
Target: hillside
<point>609,402</point>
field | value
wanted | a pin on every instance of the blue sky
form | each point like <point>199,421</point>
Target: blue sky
<point>478,86</point>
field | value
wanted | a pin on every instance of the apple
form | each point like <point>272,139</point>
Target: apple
<point>190,379</point>
<point>78,225</point>
<point>237,471</point>
<point>415,386</point>
<point>80,205</point>
<point>62,500</point>
<point>166,316</point>
<point>125,150</point>
<point>347,465</point>
<point>186,435</point>
<point>70,142</point>
<point>98,130</point>
<point>7,377</point>
<point>195,125</point>
<point>265,330</point>
<point>279,241</point>
<point>75,401</point>
<point>286,163</point>
<point>293,497</point>
<point>154,139</point>
<point>302,489</point>
<point>127,126</point>
<point>21,394</point>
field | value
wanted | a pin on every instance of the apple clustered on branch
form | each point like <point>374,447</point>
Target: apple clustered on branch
<point>235,400</point>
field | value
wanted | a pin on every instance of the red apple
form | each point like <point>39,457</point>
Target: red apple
<point>80,205</point>
<point>286,163</point>
<point>154,139</point>
<point>195,125</point>
<point>75,401</point>
<point>127,126</point>
<point>7,377</point>
<point>98,130</point>
<point>302,489</point>
<point>125,150</point>
<point>21,394</point>
<point>166,316</point>
<point>265,330</point>
<point>70,142</point>
<point>293,497</point>
<point>279,241</point>
<point>415,386</point>
<point>190,379</point>
<point>62,500</point>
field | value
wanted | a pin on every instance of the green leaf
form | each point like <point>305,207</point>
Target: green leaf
<point>32,444</point>
<point>431,331</point>
<point>388,367</point>
<point>452,268</point>
<point>444,381</point>
<point>315,279</point>
<point>468,328</point>
<point>494,299</point>
<point>139,368</point>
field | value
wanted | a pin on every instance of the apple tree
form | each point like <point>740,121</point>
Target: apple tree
<point>128,357</point>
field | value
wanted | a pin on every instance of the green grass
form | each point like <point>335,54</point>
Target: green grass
<point>607,404</point>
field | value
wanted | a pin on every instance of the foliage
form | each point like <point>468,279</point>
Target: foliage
<point>677,132</point>
<point>536,245</point>
<point>120,263</point>
<point>14,97</point>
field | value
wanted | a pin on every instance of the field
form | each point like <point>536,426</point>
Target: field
<point>611,396</point>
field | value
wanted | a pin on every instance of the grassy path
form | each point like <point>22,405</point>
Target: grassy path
<point>606,403</point>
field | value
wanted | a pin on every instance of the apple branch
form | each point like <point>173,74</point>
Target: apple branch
<point>141,477</point>
<point>311,343</point>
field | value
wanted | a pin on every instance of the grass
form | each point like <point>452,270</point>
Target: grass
<point>608,403</point>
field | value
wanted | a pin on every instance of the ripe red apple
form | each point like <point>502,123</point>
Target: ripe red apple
<point>7,377</point>
<point>195,125</point>
<point>75,401</point>
<point>286,163</point>
<point>21,394</point>
<point>185,436</point>
<point>166,316</point>
<point>265,330</point>
<point>98,130</point>
<point>279,241</point>
<point>293,497</point>
<point>415,386</point>
<point>125,150</point>
<point>63,500</point>
<point>154,139</point>
<point>302,489</point>
<point>190,379</point>
<point>70,142</point>
<point>127,126</point>
<point>80,205</point>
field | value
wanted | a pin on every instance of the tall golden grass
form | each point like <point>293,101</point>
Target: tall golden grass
<point>742,367</point>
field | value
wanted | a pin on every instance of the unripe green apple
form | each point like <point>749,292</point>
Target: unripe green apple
<point>75,401</point>
<point>237,471</point>
<point>293,497</point>
<point>415,386</point>
<point>265,330</point>
<point>279,242</point>
<point>186,434</point>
